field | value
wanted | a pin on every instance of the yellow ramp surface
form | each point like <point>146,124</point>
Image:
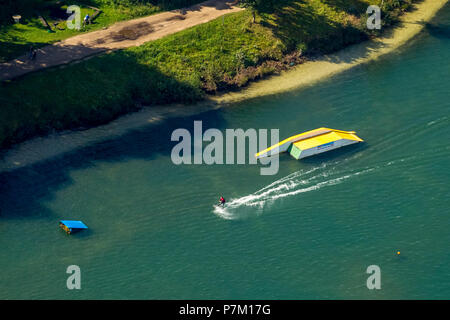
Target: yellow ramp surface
<point>283,145</point>
<point>309,139</point>
<point>325,138</point>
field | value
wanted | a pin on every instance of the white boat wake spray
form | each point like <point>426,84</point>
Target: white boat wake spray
<point>293,184</point>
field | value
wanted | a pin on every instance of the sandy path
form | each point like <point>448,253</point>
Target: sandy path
<point>118,36</point>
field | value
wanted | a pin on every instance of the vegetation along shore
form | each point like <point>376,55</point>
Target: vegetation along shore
<point>218,56</point>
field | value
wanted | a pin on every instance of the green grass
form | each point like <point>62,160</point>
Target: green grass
<point>211,51</point>
<point>222,54</point>
<point>16,38</point>
<point>214,53</point>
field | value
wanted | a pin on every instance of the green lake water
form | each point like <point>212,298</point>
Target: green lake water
<point>308,232</point>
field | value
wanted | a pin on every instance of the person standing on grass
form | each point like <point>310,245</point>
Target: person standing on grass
<point>86,20</point>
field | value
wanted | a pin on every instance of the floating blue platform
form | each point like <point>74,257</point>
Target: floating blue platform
<point>71,226</point>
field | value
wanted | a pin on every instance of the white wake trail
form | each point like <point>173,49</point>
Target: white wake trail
<point>290,185</point>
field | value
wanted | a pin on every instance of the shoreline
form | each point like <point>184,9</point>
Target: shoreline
<point>325,66</point>
<point>40,148</point>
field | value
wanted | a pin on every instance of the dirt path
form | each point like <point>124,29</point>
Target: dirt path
<point>118,36</point>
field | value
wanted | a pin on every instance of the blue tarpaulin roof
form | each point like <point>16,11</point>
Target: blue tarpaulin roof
<point>74,224</point>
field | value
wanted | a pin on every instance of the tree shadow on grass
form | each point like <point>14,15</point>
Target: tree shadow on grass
<point>198,5</point>
<point>13,44</point>
<point>354,7</point>
<point>300,26</point>
<point>10,50</point>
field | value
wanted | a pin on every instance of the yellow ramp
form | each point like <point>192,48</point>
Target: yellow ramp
<point>284,145</point>
<point>325,138</point>
<point>309,139</point>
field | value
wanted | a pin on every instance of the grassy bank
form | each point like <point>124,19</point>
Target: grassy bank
<point>16,38</point>
<point>220,55</point>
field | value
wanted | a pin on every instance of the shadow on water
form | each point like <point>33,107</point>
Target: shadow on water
<point>23,190</point>
<point>438,27</point>
<point>438,31</point>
